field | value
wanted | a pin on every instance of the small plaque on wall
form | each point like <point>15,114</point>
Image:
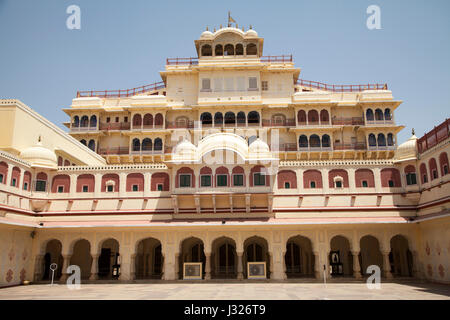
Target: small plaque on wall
<point>256,270</point>
<point>192,270</point>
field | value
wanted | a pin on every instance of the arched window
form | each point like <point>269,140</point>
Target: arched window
<point>238,177</point>
<point>61,183</point>
<point>206,50</point>
<point>364,178</point>
<point>369,115</point>
<point>423,173</point>
<point>338,178</point>
<point>251,49</point>
<point>410,173</point>
<point>76,122</point>
<point>230,118</point>
<point>303,141</point>
<point>83,141</point>
<point>381,140</point>
<point>314,141</point>
<point>147,144</point>
<point>312,179</point>
<point>229,50</point>
<point>160,182</point>
<point>219,50</point>
<point>158,144</point>
<point>239,49</point>
<point>390,139</point>
<point>84,121</point>
<point>41,182</point>
<point>325,141</point>
<point>93,122</point>
<point>137,120</point>
<point>159,120</point>
<point>287,179</point>
<point>110,182</point>
<point>222,177</point>
<point>390,178</point>
<point>372,140</point>
<point>91,145</point>
<point>85,183</point>
<point>278,119</point>
<point>313,117</point>
<point>301,117</point>
<point>182,122</point>
<point>241,117</point>
<point>206,118</point>
<point>324,117</point>
<point>443,163</point>
<point>148,120</point>
<point>60,161</point>
<point>433,168</point>
<point>218,118</point>
<point>378,114</point>
<point>387,114</point>
<point>136,144</point>
<point>253,117</point>
<point>135,182</point>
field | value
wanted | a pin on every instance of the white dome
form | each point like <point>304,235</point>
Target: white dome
<point>407,150</point>
<point>258,146</point>
<point>251,33</point>
<point>39,156</point>
<point>207,35</point>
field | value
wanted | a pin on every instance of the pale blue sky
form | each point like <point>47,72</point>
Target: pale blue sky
<point>124,44</point>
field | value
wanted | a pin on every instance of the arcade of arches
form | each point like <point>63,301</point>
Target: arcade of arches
<point>226,257</point>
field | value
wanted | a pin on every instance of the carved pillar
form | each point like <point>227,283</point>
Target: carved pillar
<point>240,274</point>
<point>94,267</point>
<point>317,267</point>
<point>208,266</point>
<point>356,266</point>
<point>386,265</point>
<point>66,264</point>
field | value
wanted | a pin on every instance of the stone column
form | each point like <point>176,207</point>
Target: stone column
<point>386,265</point>
<point>122,184</point>
<point>240,274</point>
<point>356,266</point>
<point>208,266</point>
<point>94,267</point>
<point>377,177</point>
<point>133,266</point>
<point>73,184</point>
<point>66,264</point>
<point>125,265</point>
<point>147,178</point>
<point>39,268</point>
<point>317,266</point>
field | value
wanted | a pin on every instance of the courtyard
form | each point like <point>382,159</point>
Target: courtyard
<point>409,290</point>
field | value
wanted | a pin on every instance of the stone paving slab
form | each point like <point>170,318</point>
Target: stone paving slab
<point>230,291</point>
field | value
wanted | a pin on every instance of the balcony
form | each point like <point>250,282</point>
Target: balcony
<point>146,152</point>
<point>350,146</point>
<point>82,129</point>
<point>115,126</point>
<point>312,123</point>
<point>147,127</point>
<point>379,122</point>
<point>114,151</point>
<point>354,121</point>
<point>285,147</point>
<point>278,123</point>
<point>193,61</point>
<point>314,149</point>
<point>180,125</point>
<point>121,92</point>
<point>435,136</point>
<point>341,87</point>
<point>381,148</point>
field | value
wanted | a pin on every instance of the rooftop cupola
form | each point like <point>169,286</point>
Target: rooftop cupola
<point>229,42</point>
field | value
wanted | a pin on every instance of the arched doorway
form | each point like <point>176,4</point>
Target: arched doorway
<point>256,250</point>
<point>109,256</point>
<point>340,257</point>
<point>81,257</point>
<point>149,260</point>
<point>191,250</point>
<point>400,257</point>
<point>299,258</point>
<point>370,253</point>
<point>224,259</point>
<point>53,255</point>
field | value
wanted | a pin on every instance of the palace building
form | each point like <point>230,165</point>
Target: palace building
<point>231,167</point>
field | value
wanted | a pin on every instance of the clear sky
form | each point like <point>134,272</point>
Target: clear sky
<point>124,44</point>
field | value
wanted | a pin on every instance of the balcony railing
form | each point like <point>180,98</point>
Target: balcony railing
<point>146,127</point>
<point>313,148</point>
<point>381,148</point>
<point>180,125</point>
<point>121,92</point>
<point>194,60</point>
<point>350,146</point>
<point>285,147</point>
<point>277,123</point>
<point>435,136</point>
<point>378,122</point>
<point>146,152</point>
<point>313,123</point>
<point>354,121</point>
<point>114,151</point>
<point>82,129</point>
<point>181,61</point>
<point>282,58</point>
<point>341,87</point>
<point>115,126</point>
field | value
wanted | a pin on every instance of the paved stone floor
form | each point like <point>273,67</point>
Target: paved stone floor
<point>231,291</point>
